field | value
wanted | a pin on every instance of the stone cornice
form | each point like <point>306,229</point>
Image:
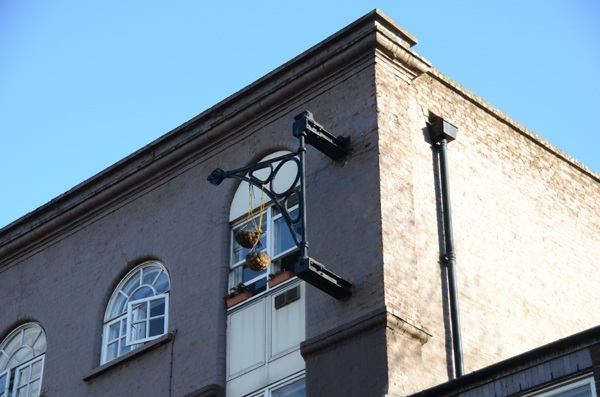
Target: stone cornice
<point>168,154</point>
<point>381,318</point>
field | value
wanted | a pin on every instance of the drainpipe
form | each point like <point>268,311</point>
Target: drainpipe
<point>443,132</point>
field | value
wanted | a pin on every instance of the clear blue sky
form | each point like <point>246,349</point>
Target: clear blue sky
<point>85,83</point>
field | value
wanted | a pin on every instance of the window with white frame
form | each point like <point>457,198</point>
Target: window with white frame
<point>22,355</point>
<point>581,388</point>
<point>137,311</point>
<point>276,240</point>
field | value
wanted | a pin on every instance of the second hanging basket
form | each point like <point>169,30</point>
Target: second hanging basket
<point>257,261</point>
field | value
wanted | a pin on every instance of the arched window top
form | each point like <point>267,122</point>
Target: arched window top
<point>21,345</point>
<point>22,355</point>
<point>147,280</point>
<point>137,311</point>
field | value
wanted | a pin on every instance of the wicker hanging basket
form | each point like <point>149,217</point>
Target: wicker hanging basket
<point>257,261</point>
<point>247,238</point>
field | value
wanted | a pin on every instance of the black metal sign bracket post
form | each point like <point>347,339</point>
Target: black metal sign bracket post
<point>307,130</point>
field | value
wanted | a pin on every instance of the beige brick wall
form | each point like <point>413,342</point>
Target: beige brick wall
<point>526,226</point>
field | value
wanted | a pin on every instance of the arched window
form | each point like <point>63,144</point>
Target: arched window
<point>22,355</point>
<point>137,312</point>
<point>276,239</point>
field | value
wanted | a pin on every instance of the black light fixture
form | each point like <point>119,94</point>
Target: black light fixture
<point>307,130</point>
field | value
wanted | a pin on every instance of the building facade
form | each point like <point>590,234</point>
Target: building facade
<point>117,286</point>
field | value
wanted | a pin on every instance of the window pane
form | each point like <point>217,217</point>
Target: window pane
<point>162,284</point>
<point>132,284</point>
<point>34,388</point>
<point>23,375</point>
<point>124,347</point>
<point>138,331</point>
<point>22,355</point>
<point>3,361</point>
<point>144,292</point>
<point>39,346</point>
<point>251,274</point>
<point>150,274</point>
<point>30,335</point>
<point>22,392</point>
<point>139,311</point>
<point>119,306</point>
<point>282,237</point>
<point>36,370</point>
<point>157,326</point>
<point>3,383</point>
<point>113,331</point>
<point>112,352</point>
<point>157,307</point>
<point>296,389</point>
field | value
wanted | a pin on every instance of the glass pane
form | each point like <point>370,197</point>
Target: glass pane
<point>251,274</point>
<point>162,284</point>
<point>144,292</point>
<point>24,375</point>
<point>3,381</point>
<point>138,331</point>
<point>150,274</point>
<point>36,369</point>
<point>124,347</point>
<point>118,306</point>
<point>157,307</point>
<point>132,284</point>
<point>22,392</point>
<point>111,352</point>
<point>282,237</point>
<point>157,326</point>
<point>34,388</point>
<point>22,355</point>
<point>30,335</point>
<point>39,346</point>
<point>296,389</point>
<point>113,331</point>
<point>139,311</point>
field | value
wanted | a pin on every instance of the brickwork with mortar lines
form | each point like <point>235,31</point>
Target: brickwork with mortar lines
<point>526,228</point>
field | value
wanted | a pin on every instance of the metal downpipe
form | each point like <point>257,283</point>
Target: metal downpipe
<point>450,258</point>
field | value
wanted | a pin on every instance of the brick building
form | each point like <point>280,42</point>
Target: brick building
<point>116,287</point>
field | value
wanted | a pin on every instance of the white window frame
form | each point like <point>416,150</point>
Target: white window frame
<point>556,391</point>
<point>271,219</point>
<point>268,391</point>
<point>15,341</point>
<point>18,371</point>
<point>123,317</point>
<point>130,340</point>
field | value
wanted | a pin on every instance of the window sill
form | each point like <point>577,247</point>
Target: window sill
<point>254,298</point>
<point>166,338</point>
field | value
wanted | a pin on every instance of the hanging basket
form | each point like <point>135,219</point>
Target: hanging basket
<point>247,238</point>
<point>257,261</point>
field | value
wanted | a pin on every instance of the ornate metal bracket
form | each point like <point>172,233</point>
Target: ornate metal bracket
<point>307,130</point>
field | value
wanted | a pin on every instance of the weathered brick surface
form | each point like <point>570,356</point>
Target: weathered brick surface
<point>526,228</point>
